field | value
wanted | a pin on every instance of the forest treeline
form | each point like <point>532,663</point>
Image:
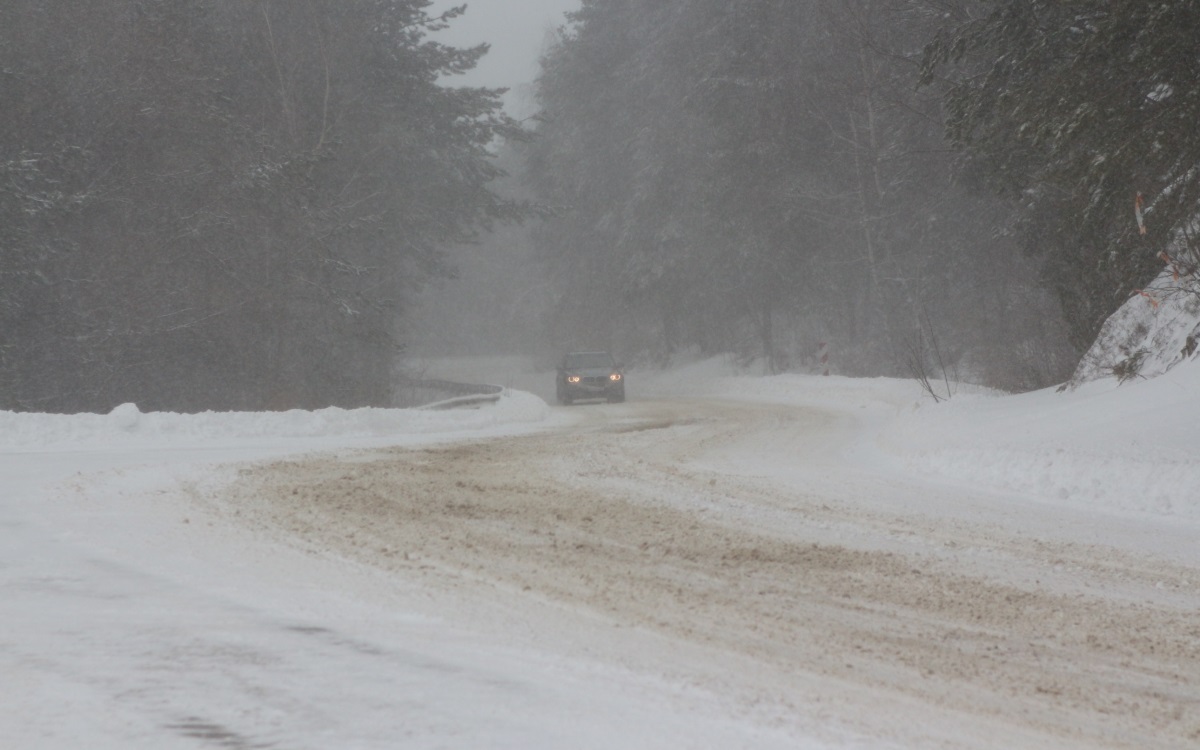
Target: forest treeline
<point>224,204</point>
<point>231,204</point>
<point>923,183</point>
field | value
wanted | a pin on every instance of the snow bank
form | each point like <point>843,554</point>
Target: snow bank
<point>1106,446</point>
<point>126,425</point>
<point>1116,445</point>
<point>1150,334</point>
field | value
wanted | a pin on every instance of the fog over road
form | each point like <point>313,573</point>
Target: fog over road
<point>752,551</point>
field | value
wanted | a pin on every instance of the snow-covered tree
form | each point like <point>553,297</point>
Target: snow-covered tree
<point>1071,110</point>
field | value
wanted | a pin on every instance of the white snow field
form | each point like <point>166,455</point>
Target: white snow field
<point>723,561</point>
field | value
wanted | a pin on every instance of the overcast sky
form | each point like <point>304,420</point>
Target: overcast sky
<point>516,29</point>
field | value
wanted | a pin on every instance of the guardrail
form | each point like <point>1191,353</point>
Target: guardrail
<point>457,395</point>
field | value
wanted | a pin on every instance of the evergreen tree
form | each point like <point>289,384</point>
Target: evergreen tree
<point>1070,110</point>
<point>226,204</point>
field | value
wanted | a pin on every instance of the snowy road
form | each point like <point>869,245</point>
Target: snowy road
<point>805,588</point>
<point>135,617</point>
<point>743,570</point>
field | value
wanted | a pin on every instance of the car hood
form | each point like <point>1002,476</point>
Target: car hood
<point>591,372</point>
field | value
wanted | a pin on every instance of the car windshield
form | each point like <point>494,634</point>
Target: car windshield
<point>589,360</point>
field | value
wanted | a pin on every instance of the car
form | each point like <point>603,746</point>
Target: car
<point>590,375</point>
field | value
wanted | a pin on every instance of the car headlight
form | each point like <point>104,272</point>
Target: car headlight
<point>615,377</point>
<point>573,378</point>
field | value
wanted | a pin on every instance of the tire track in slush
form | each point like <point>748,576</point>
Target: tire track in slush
<point>577,519</point>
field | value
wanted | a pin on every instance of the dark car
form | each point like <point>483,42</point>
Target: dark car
<point>590,375</point>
